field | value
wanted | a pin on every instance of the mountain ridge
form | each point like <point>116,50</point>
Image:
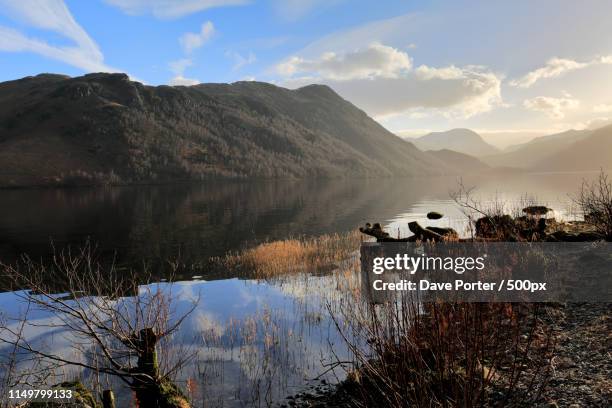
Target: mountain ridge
<point>590,153</point>
<point>104,128</point>
<point>526,155</point>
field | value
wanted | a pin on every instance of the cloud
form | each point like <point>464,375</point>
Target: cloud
<point>180,80</point>
<point>240,60</point>
<point>382,81</point>
<point>375,61</point>
<point>603,108</point>
<point>193,41</point>
<point>51,15</point>
<point>553,107</point>
<point>169,9</point>
<point>556,67</point>
<point>190,42</point>
<point>178,67</point>
<point>597,123</point>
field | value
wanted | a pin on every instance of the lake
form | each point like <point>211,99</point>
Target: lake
<point>255,342</point>
<point>196,221</point>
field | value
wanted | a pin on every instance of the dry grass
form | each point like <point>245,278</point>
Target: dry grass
<point>278,258</point>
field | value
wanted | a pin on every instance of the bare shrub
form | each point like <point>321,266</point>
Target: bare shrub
<point>496,219</point>
<point>446,354</point>
<point>595,203</point>
<point>116,326</point>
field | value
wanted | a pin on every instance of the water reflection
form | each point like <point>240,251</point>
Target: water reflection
<point>255,342</point>
<point>194,222</point>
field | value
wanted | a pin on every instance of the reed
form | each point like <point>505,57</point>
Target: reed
<point>290,256</point>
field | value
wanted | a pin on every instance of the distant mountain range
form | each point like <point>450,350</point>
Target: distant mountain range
<point>104,128</point>
<point>593,151</point>
<point>531,154</point>
<point>573,150</point>
<point>459,140</point>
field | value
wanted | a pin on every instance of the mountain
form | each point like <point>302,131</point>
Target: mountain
<point>592,152</point>
<point>463,162</point>
<point>102,128</point>
<point>460,140</point>
<point>532,153</point>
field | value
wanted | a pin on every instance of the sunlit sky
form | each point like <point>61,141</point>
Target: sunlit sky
<point>506,69</point>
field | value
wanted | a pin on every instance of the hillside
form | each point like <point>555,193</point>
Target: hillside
<point>460,140</point>
<point>593,152</point>
<point>102,128</point>
<point>463,162</point>
<point>532,153</point>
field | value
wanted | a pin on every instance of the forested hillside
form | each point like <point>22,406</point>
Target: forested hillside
<point>104,128</point>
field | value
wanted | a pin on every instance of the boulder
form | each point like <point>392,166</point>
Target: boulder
<point>434,215</point>
<point>536,210</point>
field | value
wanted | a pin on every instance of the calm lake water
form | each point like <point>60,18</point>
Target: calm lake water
<point>194,222</point>
<point>256,342</point>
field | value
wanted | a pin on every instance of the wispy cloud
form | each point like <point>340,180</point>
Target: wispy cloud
<point>553,107</point>
<point>292,10</point>
<point>393,30</point>
<point>556,67</point>
<point>52,15</point>
<point>193,41</point>
<point>169,9</point>
<point>190,42</point>
<point>240,60</point>
<point>179,66</point>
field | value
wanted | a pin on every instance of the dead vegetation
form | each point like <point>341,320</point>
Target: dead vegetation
<point>279,258</point>
<point>446,354</point>
<point>595,203</point>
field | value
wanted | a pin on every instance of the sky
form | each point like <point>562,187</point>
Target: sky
<point>510,70</point>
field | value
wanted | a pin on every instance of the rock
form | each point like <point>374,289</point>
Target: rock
<point>536,210</point>
<point>434,215</point>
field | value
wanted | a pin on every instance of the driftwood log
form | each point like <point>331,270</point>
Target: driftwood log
<point>420,233</point>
